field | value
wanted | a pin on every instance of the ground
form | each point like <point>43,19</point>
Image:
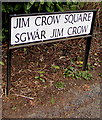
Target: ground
<point>38,82</point>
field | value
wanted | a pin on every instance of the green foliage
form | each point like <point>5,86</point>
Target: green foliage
<point>25,51</point>
<point>41,76</point>
<point>8,8</point>
<point>59,7</point>
<point>69,72</point>
<point>52,100</point>
<point>73,7</point>
<point>72,61</point>
<point>100,74</point>
<point>81,4</point>
<point>60,85</point>
<point>72,72</point>
<point>90,66</point>
<point>49,7</point>
<point>4,33</point>
<point>17,7</point>
<point>2,63</point>
<point>79,58</point>
<point>83,74</point>
<point>41,72</point>
<point>55,66</point>
<point>14,108</point>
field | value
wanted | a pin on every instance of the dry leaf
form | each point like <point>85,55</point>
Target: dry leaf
<point>32,102</point>
<point>79,62</point>
<point>86,87</point>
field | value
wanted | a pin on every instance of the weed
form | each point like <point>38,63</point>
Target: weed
<point>60,85</point>
<point>40,76</point>
<point>83,74</point>
<point>25,49</point>
<point>80,65</point>
<point>52,100</point>
<point>41,72</point>
<point>69,72</point>
<point>14,108</point>
<point>72,72</point>
<point>2,63</point>
<point>72,61</point>
<point>90,66</point>
<point>100,74</point>
<point>55,66</point>
<point>79,58</point>
<point>100,61</point>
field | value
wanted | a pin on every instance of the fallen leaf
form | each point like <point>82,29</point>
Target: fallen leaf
<point>21,54</point>
<point>96,54</point>
<point>32,102</point>
<point>79,62</point>
<point>62,57</point>
<point>86,87</point>
<point>95,64</point>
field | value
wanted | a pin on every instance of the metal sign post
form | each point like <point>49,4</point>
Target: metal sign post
<point>87,49</point>
<point>8,70</point>
<point>34,29</point>
<point>88,44</point>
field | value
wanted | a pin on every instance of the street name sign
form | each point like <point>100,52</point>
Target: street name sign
<point>39,28</point>
<point>32,28</point>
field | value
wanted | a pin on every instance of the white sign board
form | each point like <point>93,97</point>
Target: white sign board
<point>36,28</point>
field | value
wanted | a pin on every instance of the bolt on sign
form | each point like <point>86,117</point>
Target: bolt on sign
<point>38,28</point>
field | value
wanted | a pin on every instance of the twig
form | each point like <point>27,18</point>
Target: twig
<point>24,96</point>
